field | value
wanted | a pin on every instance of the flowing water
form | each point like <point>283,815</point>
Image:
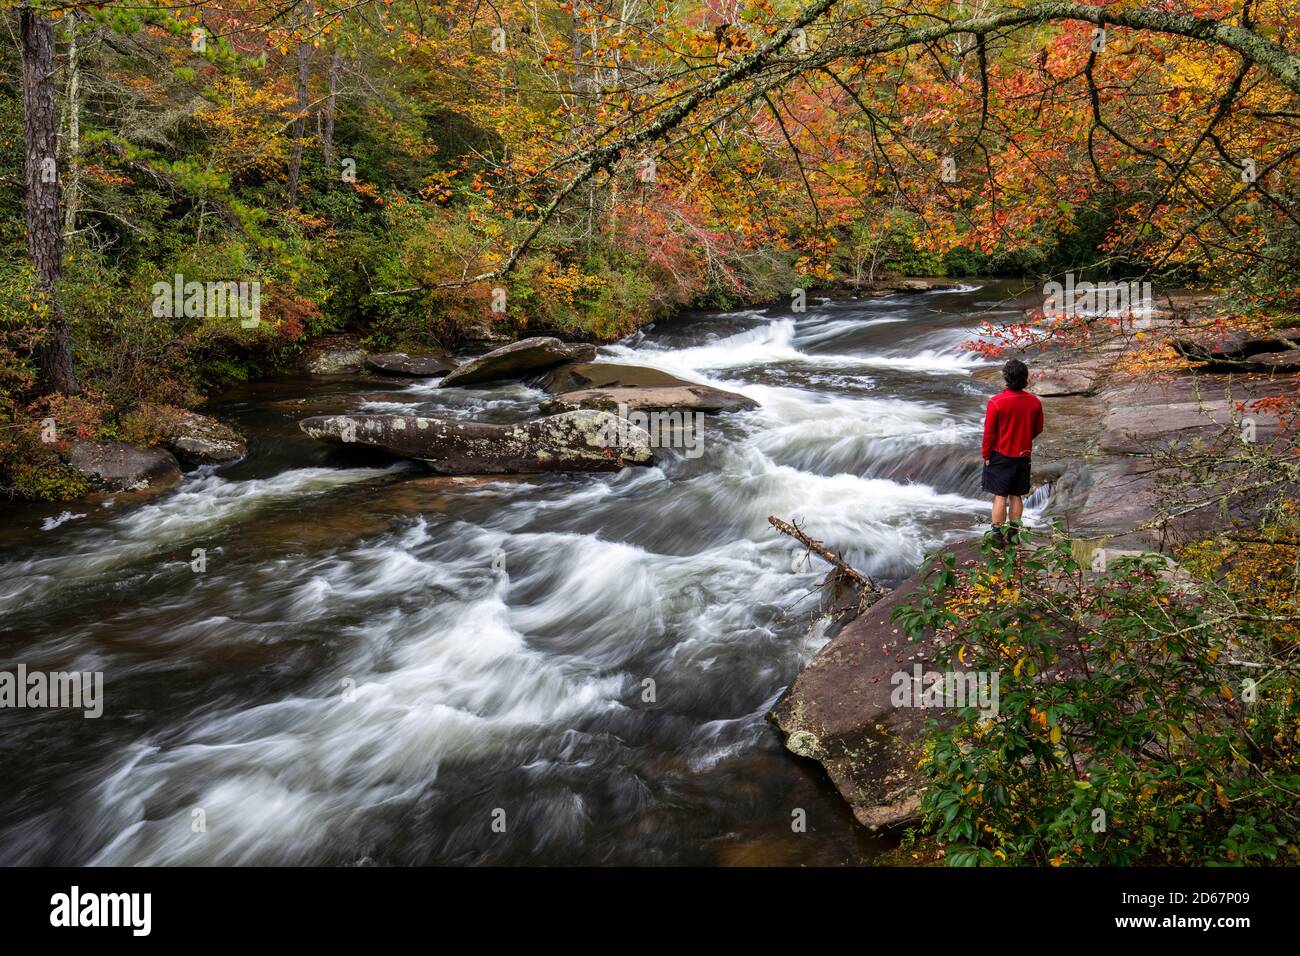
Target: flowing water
<point>375,666</point>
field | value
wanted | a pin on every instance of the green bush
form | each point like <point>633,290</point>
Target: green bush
<point>1125,731</point>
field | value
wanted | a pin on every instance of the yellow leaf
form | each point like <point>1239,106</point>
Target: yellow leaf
<point>1056,734</point>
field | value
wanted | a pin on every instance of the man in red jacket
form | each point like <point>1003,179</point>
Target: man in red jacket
<point>1013,420</point>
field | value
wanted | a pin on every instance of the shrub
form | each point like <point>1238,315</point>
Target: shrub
<point>1128,731</point>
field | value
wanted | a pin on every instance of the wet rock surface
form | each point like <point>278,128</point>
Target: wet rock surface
<point>574,376</point>
<point>117,466</point>
<point>573,441</point>
<point>694,398</point>
<point>198,439</point>
<point>517,360</point>
<point>839,711</point>
<point>413,366</point>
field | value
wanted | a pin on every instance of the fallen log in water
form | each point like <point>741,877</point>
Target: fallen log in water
<point>870,590</point>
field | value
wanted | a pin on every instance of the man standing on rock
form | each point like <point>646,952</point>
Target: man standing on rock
<point>1013,420</point>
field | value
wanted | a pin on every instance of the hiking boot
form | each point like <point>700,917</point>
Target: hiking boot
<point>1013,534</point>
<point>998,537</point>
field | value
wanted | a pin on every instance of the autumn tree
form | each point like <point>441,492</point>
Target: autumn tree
<point>41,184</point>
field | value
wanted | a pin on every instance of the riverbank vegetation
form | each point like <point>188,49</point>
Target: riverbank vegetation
<point>1146,716</point>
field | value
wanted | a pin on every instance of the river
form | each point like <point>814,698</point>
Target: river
<point>377,667</point>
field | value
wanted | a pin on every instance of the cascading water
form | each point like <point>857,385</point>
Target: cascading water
<point>377,666</point>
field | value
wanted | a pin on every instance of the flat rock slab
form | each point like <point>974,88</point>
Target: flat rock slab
<point>316,405</point>
<point>574,441</point>
<point>400,363</point>
<point>1211,345</point>
<point>117,466</point>
<point>694,398</point>
<point>1195,387</point>
<point>1285,363</point>
<point>1054,376</point>
<point>575,376</point>
<point>839,711</point>
<point>1137,428</point>
<point>1108,497</point>
<point>517,360</point>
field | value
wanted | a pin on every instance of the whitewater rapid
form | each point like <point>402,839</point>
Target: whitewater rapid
<point>375,665</point>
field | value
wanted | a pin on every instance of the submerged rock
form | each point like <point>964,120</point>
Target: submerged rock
<point>117,466</point>
<point>400,363</point>
<point>574,441</point>
<point>687,397</point>
<point>517,360</point>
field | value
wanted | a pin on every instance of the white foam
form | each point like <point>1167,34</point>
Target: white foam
<point>203,504</point>
<point>49,524</point>
<point>774,343</point>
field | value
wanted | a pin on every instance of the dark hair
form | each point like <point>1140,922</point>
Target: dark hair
<point>1016,374</point>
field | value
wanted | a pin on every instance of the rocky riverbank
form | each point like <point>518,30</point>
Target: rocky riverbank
<point>1104,421</point>
<point>148,461</point>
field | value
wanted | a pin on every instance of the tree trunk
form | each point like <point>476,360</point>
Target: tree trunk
<point>41,203</point>
<point>72,197</point>
<point>327,149</point>
<point>303,56</point>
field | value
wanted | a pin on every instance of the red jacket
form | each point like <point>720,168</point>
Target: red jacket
<point>1012,422</point>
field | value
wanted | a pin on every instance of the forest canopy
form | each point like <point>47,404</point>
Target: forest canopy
<point>427,175</point>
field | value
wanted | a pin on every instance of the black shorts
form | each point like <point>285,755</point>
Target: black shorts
<point>1006,476</point>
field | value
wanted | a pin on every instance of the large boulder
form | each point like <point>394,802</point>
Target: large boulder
<point>1053,376</point>
<point>400,363</point>
<point>912,284</point>
<point>686,397</point>
<point>574,441</point>
<point>1057,381</point>
<point>572,377</point>
<point>343,360</point>
<point>517,360</point>
<point>117,466</point>
<point>840,711</point>
<point>193,438</point>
